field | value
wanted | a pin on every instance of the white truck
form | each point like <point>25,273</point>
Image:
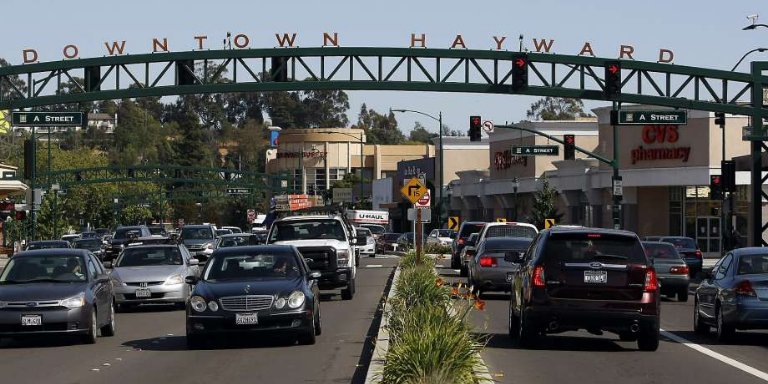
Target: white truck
<point>328,244</point>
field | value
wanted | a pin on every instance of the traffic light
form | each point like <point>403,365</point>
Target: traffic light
<point>475,122</point>
<point>21,215</point>
<point>519,72</point>
<point>720,119</point>
<point>279,71</point>
<point>715,187</point>
<point>185,72</point>
<point>92,78</point>
<point>569,148</point>
<point>612,79</point>
<point>728,169</point>
<point>28,159</point>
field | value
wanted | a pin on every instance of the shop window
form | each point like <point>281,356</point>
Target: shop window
<point>675,211</point>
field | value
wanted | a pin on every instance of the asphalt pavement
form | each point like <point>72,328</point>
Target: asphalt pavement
<point>150,347</point>
<point>580,357</point>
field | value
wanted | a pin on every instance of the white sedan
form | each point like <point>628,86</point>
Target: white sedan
<point>440,236</point>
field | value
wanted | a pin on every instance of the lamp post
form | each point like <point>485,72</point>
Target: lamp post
<point>761,49</point>
<point>439,120</point>
<point>362,158</point>
<point>515,186</point>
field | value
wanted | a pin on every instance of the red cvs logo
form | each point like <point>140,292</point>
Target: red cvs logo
<point>660,134</point>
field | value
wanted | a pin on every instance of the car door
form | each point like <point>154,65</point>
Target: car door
<point>721,280</point>
<point>521,276</point>
<point>706,291</point>
<point>100,290</point>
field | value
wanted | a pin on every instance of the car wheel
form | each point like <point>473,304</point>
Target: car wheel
<point>513,324</point>
<point>349,292</point>
<point>463,271</point>
<point>724,331</point>
<point>682,296</point>
<point>454,263</point>
<point>308,338</point>
<point>318,322</point>
<point>90,337</point>
<point>109,329</point>
<point>182,306</point>
<point>648,340</point>
<point>698,326</point>
<point>195,341</point>
<point>526,336</point>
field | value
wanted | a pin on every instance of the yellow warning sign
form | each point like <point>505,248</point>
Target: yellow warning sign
<point>413,190</point>
<point>453,223</point>
<point>549,223</point>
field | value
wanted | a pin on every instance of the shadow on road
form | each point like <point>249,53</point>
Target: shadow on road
<point>145,308</point>
<point>39,342</point>
<point>179,343</point>
<point>557,343</point>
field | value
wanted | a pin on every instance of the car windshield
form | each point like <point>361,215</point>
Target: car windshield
<point>88,235</point>
<point>375,229</point>
<point>753,264</point>
<point>392,236</point>
<point>196,234</point>
<point>123,233</point>
<point>221,232</point>
<point>234,241</point>
<point>660,251</point>
<point>156,230</point>
<point>253,265</point>
<point>364,231</point>
<point>307,230</point>
<point>469,229</point>
<point>91,245</point>
<point>49,268</point>
<point>234,229</point>
<point>47,245</point>
<point>680,242</point>
<point>511,231</point>
<point>140,257</point>
<point>444,233</point>
<point>585,247</point>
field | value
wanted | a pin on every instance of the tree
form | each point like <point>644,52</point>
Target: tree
<point>556,108</point>
<point>380,129</point>
<point>421,134</point>
<point>16,81</point>
<point>544,206</point>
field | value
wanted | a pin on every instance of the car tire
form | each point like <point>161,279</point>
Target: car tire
<point>319,322</point>
<point>182,306</point>
<point>513,324</point>
<point>309,337</point>
<point>682,295</point>
<point>349,292</point>
<point>90,337</point>
<point>699,327</point>
<point>195,342</point>
<point>526,335</point>
<point>463,271</point>
<point>648,340</point>
<point>111,327</point>
<point>455,263</point>
<point>724,331</point>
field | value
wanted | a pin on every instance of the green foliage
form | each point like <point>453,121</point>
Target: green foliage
<point>437,249</point>
<point>544,206</point>
<point>556,108</point>
<point>420,134</point>
<point>379,128</point>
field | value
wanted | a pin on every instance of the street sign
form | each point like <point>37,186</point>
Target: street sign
<point>426,214</point>
<point>342,195</point>
<point>238,191</point>
<point>453,223</point>
<point>647,117</point>
<point>413,190</point>
<point>424,201</point>
<point>549,223</point>
<point>488,126</point>
<point>618,189</point>
<point>501,219</point>
<point>47,119</point>
<point>251,216</point>
<point>535,150</point>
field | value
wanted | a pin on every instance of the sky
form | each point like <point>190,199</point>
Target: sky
<point>704,33</point>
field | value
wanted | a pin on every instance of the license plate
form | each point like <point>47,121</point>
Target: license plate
<point>143,293</point>
<point>246,318</point>
<point>509,277</point>
<point>595,277</point>
<point>31,320</point>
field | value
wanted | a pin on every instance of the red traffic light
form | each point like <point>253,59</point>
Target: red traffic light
<point>21,215</point>
<point>476,120</point>
<point>569,139</point>
<point>613,69</point>
<point>520,62</point>
<point>715,179</point>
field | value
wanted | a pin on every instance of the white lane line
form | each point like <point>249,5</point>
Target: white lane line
<point>725,359</point>
<point>374,266</point>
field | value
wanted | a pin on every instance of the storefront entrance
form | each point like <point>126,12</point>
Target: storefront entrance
<point>708,235</point>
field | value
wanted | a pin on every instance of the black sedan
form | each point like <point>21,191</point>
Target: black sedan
<point>56,291</point>
<point>254,289</point>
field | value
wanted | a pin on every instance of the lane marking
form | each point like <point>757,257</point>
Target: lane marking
<point>722,358</point>
<point>374,266</point>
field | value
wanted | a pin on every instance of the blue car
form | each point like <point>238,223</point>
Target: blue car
<point>734,296</point>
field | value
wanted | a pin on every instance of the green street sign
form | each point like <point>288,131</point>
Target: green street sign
<point>653,117</point>
<point>238,191</point>
<point>47,119</point>
<point>535,150</point>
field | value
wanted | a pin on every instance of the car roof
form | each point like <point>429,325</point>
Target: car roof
<point>750,251</point>
<point>658,243</point>
<point>309,217</point>
<point>198,226</point>
<point>48,242</point>
<point>253,248</point>
<point>675,237</point>
<point>577,230</point>
<point>86,239</point>
<point>242,234</point>
<point>154,246</point>
<point>53,252</point>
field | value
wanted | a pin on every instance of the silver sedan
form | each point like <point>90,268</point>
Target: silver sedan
<point>489,269</point>
<point>153,274</point>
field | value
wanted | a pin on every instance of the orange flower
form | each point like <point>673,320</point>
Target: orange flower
<point>455,291</point>
<point>480,305</point>
<point>439,282</point>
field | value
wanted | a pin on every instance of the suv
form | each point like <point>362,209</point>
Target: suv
<point>122,237</point>
<point>200,240</point>
<point>328,244</point>
<point>507,229</point>
<point>584,278</point>
<point>465,230</point>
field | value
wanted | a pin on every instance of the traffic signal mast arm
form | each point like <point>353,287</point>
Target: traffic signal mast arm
<point>612,163</point>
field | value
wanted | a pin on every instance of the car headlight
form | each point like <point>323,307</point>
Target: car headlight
<point>175,279</point>
<point>280,303</point>
<point>296,299</point>
<point>342,257</point>
<point>197,303</point>
<point>73,302</point>
<point>213,306</point>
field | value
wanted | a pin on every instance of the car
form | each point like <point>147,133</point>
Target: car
<point>47,244</point>
<point>488,268</point>
<point>387,242</point>
<point>440,236</point>
<point>328,242</point>
<point>507,229</point>
<point>238,240</point>
<point>151,274</point>
<point>70,238</point>
<point>56,292</point>
<point>467,253</point>
<point>652,238</point>
<point>200,240</point>
<point>222,232</point>
<point>596,279</point>
<point>406,241</point>
<point>689,250</point>
<point>89,235</point>
<point>369,248</point>
<point>123,236</point>
<point>233,229</point>
<point>101,232</point>
<point>670,267</point>
<point>466,229</point>
<point>376,230</point>
<point>734,295</point>
<point>264,289</point>
<point>93,245</point>
<point>261,235</point>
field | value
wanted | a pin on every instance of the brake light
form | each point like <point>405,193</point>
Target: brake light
<point>651,283</point>
<point>593,235</point>
<point>511,223</point>
<point>486,261</point>
<point>744,289</point>
<point>461,241</point>
<point>679,270</point>
<point>538,276</point>
<point>699,255</point>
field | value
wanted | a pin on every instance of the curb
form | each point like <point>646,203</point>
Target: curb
<point>376,366</point>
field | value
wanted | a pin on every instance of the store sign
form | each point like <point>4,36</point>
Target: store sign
<point>660,134</point>
<point>504,160</point>
<point>304,155</point>
<point>342,195</point>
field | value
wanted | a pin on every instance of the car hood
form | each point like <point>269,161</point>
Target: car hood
<point>197,241</point>
<point>314,243</point>
<point>216,289</point>
<point>146,273</point>
<point>40,291</point>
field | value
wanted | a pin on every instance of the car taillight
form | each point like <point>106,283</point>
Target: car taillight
<point>699,255</point>
<point>679,270</point>
<point>486,261</point>
<point>651,283</point>
<point>744,289</point>
<point>538,276</point>
<point>461,241</point>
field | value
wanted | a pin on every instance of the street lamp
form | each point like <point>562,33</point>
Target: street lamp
<point>754,24</point>
<point>362,158</point>
<point>515,186</point>
<point>439,120</point>
<point>747,54</point>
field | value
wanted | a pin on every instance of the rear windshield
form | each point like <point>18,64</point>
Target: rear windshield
<point>680,242</point>
<point>375,229</point>
<point>469,229</point>
<point>753,264</point>
<point>508,245</point>
<point>191,233</point>
<point>392,236</point>
<point>660,251</point>
<point>511,231</point>
<point>122,233</point>
<point>91,245</point>
<point>580,248</point>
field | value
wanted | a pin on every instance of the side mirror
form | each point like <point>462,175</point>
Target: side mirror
<point>315,275</point>
<point>107,264</point>
<point>513,257</point>
<point>191,280</point>
<point>193,262</point>
<point>361,240</point>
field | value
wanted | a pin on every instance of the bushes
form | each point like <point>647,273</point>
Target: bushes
<point>437,249</point>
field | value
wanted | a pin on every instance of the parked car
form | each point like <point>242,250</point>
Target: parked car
<point>148,274</point>
<point>233,229</point>
<point>689,250</point>
<point>465,230</point>
<point>671,269</point>
<point>47,244</point>
<point>440,236</point>
<point>369,249</point>
<point>585,278</point>
<point>200,240</point>
<point>93,245</point>
<point>238,240</point>
<point>122,237</point>
<point>264,289</point>
<point>406,242</point>
<point>734,295</point>
<point>467,253</point>
<point>489,269</point>
<point>387,242</point>
<point>56,291</point>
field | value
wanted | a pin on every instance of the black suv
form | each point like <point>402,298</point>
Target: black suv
<point>585,278</point>
<point>466,229</point>
<point>122,237</point>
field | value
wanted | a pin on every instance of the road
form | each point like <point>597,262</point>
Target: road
<point>580,357</point>
<point>150,347</point>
